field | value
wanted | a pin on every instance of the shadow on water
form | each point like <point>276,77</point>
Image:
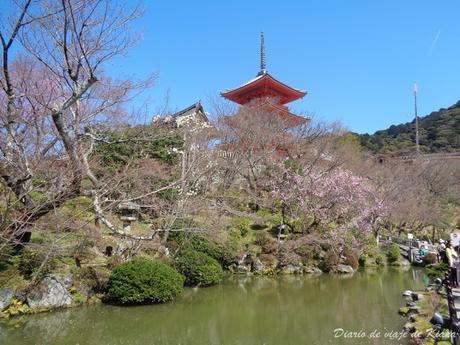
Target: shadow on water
<point>243,310</point>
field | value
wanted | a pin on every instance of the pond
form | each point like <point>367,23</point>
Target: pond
<point>241,311</point>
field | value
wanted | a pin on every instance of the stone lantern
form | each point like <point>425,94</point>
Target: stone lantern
<point>281,232</point>
<point>129,213</point>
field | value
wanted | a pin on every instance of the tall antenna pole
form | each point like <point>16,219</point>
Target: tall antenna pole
<point>417,143</point>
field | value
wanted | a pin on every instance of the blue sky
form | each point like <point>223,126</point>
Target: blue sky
<point>357,59</point>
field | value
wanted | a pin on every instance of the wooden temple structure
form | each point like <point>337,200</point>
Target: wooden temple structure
<point>267,94</point>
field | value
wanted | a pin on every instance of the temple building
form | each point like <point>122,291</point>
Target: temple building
<point>192,118</point>
<point>267,94</point>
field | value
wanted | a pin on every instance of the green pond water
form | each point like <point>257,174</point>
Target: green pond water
<point>241,311</point>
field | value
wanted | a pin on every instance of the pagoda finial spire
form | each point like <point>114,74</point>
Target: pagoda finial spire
<point>263,67</point>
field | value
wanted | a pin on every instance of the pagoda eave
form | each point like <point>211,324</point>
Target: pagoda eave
<point>264,85</point>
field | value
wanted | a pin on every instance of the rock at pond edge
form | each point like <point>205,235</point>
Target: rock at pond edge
<point>50,293</point>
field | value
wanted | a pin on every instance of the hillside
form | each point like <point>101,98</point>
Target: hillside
<point>439,132</point>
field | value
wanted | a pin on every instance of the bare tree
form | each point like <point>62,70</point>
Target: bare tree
<point>254,139</point>
<point>51,94</point>
<point>419,193</point>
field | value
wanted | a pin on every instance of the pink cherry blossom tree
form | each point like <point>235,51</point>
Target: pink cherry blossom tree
<point>334,199</point>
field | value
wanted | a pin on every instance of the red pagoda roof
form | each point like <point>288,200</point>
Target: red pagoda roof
<point>266,93</point>
<point>264,85</point>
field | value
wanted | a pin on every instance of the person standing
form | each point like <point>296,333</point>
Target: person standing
<point>442,252</point>
<point>451,257</point>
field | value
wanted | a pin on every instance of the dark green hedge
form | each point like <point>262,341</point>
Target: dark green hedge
<point>144,281</point>
<point>199,268</point>
<point>201,244</point>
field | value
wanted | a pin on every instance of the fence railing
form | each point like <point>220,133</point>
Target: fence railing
<point>454,322</point>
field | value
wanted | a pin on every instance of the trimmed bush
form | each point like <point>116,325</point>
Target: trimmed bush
<point>144,281</point>
<point>213,249</point>
<point>199,268</point>
<point>394,253</point>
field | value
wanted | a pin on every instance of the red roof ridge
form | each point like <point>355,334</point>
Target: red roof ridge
<point>260,77</point>
<point>242,94</point>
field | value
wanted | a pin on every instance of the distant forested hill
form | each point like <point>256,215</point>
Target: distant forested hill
<point>439,132</point>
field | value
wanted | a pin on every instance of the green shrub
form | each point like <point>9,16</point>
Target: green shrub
<point>243,224</point>
<point>144,281</point>
<point>38,196</point>
<point>215,250</point>
<point>78,298</point>
<point>366,260</point>
<point>199,268</point>
<point>210,248</point>
<point>235,233</point>
<point>114,155</point>
<point>394,254</point>
<point>437,270</point>
<point>380,259</point>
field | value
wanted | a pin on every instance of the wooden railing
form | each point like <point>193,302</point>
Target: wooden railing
<point>454,322</point>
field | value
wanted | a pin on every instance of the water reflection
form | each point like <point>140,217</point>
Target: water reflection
<point>243,310</point>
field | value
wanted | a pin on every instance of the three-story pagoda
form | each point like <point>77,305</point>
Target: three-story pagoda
<point>268,94</point>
